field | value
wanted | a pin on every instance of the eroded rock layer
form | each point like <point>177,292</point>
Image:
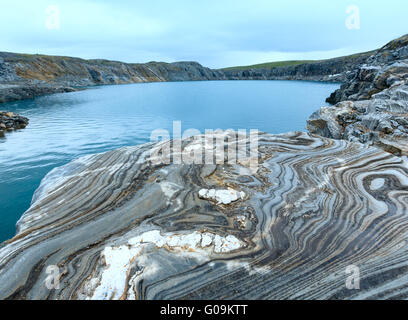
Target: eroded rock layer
<point>120,226</point>
<point>372,105</point>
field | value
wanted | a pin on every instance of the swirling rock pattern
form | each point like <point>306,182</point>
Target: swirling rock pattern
<point>120,227</point>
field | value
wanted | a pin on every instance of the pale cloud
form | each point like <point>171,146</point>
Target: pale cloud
<point>216,33</point>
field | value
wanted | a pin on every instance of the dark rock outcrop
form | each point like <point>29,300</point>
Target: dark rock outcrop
<point>10,121</point>
<point>29,90</point>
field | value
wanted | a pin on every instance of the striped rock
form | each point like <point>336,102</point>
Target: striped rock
<point>117,226</point>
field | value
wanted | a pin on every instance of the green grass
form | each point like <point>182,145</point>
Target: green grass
<point>270,65</point>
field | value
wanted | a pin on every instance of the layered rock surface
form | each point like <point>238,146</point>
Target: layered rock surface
<point>120,226</point>
<point>373,107</point>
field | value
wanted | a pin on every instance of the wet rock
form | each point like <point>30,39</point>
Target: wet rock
<point>10,121</point>
<point>29,90</point>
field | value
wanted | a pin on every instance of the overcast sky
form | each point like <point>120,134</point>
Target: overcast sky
<point>216,33</point>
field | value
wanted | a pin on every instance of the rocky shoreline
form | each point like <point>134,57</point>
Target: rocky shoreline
<point>372,105</point>
<point>28,76</point>
<point>29,90</point>
<point>10,121</point>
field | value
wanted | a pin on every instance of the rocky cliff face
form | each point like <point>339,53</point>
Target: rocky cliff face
<point>335,70</point>
<point>380,71</point>
<point>373,105</point>
<point>26,76</point>
<point>118,226</point>
<point>80,72</point>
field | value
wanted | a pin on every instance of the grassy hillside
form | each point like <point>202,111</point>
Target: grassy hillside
<point>270,65</point>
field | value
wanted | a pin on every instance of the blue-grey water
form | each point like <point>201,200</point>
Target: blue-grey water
<point>66,126</point>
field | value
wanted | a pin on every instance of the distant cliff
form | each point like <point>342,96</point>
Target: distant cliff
<point>335,70</point>
<point>25,76</point>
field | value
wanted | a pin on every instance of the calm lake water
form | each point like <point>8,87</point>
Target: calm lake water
<point>66,126</point>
